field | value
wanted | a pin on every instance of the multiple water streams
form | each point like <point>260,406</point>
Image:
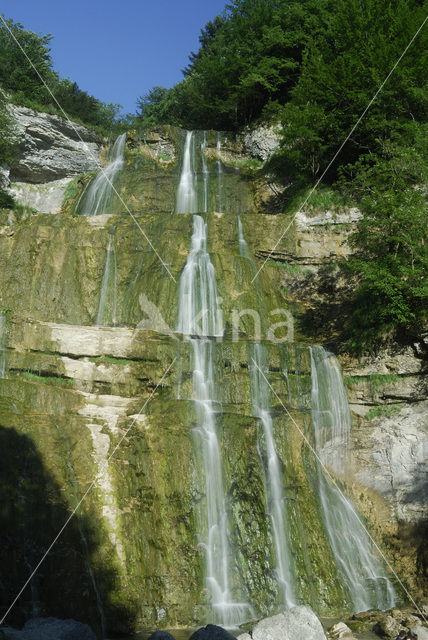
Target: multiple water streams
<point>200,315</point>
<point>200,320</point>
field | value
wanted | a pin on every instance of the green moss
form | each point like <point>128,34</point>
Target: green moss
<point>54,380</point>
<point>164,156</point>
<point>383,410</point>
<point>250,165</point>
<point>374,380</point>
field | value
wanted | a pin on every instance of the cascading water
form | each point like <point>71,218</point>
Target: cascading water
<point>363,572</point>
<point>107,306</point>
<point>98,196</point>
<point>3,329</point>
<point>244,250</point>
<point>200,315</point>
<point>187,201</point>
<point>275,498</point>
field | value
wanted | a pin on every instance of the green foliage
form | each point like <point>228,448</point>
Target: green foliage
<point>343,67</point>
<point>6,200</point>
<point>7,137</point>
<point>249,58</point>
<point>26,67</point>
<point>391,259</point>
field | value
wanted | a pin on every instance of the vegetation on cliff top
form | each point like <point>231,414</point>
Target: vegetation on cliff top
<point>314,67</point>
<point>24,84</point>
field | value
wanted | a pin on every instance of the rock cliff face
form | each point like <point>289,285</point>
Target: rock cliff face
<point>51,151</point>
<point>89,406</point>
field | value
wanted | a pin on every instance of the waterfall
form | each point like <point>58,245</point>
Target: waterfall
<point>220,173</point>
<point>356,557</point>
<point>275,498</point>
<point>3,329</point>
<point>244,250</point>
<point>187,201</point>
<point>200,315</point>
<point>98,195</point>
<point>108,303</point>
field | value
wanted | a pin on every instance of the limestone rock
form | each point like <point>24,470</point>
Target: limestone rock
<point>339,631</point>
<point>51,629</point>
<point>45,198</point>
<point>388,627</point>
<point>51,147</point>
<point>298,622</point>
<point>421,632</point>
<point>328,217</point>
<point>261,142</point>
<point>393,460</point>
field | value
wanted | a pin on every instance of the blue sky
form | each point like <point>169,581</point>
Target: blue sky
<point>117,50</point>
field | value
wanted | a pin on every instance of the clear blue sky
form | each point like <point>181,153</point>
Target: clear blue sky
<point>117,50</point>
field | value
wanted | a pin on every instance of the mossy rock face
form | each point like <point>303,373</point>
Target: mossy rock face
<point>108,412</point>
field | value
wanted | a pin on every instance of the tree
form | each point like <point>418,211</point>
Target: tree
<point>391,259</point>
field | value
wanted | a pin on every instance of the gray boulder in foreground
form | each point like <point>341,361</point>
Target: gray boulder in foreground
<point>298,622</point>
<point>49,629</point>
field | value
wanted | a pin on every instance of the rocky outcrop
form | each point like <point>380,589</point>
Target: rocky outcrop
<point>51,151</point>
<point>51,147</point>
<point>261,142</point>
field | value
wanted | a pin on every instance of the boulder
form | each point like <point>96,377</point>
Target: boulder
<point>421,632</point>
<point>388,627</point>
<point>298,622</point>
<point>212,632</point>
<point>51,629</point>
<point>161,635</point>
<point>339,631</point>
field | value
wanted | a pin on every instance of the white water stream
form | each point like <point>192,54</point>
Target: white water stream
<point>274,484</point>
<point>99,193</point>
<point>200,316</point>
<point>358,560</point>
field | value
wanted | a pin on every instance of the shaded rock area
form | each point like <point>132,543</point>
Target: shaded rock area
<point>49,629</point>
<point>212,632</point>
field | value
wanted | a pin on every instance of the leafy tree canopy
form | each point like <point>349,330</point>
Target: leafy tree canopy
<point>23,65</point>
